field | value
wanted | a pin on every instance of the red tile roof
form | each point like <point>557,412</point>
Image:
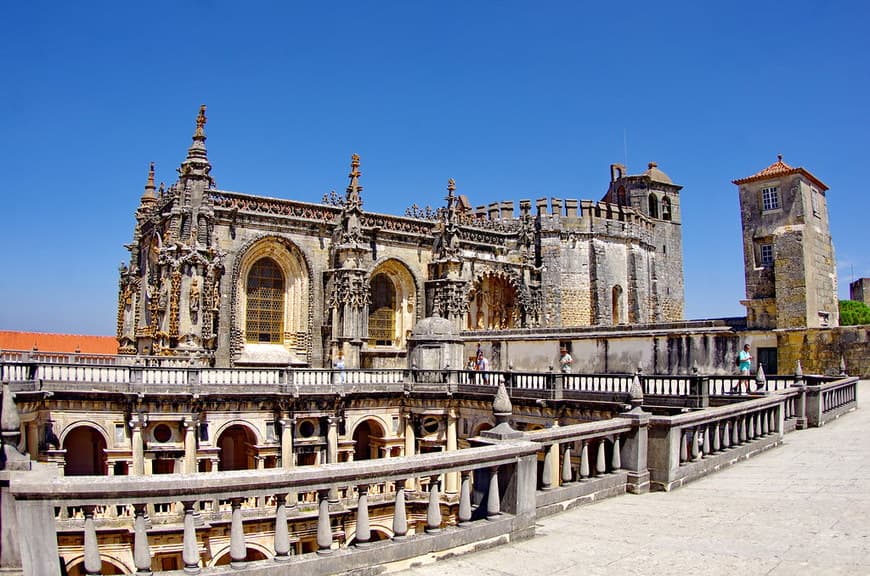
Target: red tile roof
<point>780,168</point>
<point>58,342</point>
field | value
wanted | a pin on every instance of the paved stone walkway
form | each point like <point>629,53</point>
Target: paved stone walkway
<point>802,508</point>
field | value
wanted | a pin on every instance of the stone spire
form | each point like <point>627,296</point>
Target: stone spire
<point>149,198</point>
<point>502,409</point>
<point>196,165</point>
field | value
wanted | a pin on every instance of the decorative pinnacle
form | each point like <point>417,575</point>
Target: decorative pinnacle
<point>200,122</point>
<point>148,196</point>
<point>451,186</point>
<point>353,187</point>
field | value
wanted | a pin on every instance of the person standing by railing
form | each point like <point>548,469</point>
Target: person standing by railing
<point>339,365</point>
<point>482,366</point>
<point>565,361</point>
<point>744,363</point>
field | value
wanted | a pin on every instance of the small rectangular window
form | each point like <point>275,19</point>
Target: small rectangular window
<point>767,254</point>
<point>770,198</point>
<point>814,200</point>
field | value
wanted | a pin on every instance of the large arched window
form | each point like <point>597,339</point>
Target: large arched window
<point>653,206</point>
<point>264,312</point>
<point>382,311</point>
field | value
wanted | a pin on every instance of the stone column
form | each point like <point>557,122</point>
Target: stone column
<point>324,526</point>
<point>464,516</point>
<point>136,426</point>
<point>238,550</point>
<point>363,529</point>
<point>452,478</point>
<point>189,425</point>
<point>400,521</point>
<point>141,550</point>
<point>332,450</point>
<point>93,563</point>
<point>288,454</point>
<point>282,535</point>
<point>410,447</point>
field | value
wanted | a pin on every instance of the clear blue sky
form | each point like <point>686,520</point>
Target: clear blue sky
<point>512,99</point>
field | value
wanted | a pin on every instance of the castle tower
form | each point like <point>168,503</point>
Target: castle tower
<point>653,194</point>
<point>788,255</point>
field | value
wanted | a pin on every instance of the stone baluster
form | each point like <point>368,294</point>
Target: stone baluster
<point>707,448</point>
<point>93,563</point>
<point>190,551</point>
<point>684,446</point>
<point>238,550</point>
<point>324,527</point>
<point>282,535</point>
<point>433,512</point>
<point>567,476</point>
<point>464,515</point>
<point>546,469</point>
<point>601,464</point>
<point>136,425</point>
<point>493,498</point>
<point>750,427</point>
<point>726,435</point>
<point>616,458</point>
<point>141,551</point>
<point>735,431</point>
<point>363,529</point>
<point>716,446</point>
<point>584,461</point>
<point>400,520</point>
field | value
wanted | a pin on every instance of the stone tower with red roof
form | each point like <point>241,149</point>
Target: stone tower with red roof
<point>788,255</point>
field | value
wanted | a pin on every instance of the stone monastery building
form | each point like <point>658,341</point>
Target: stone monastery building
<point>242,280</point>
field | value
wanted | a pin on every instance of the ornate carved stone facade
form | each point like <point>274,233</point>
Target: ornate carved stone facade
<point>236,280</point>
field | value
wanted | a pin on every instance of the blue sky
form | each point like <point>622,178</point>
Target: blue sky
<point>513,99</point>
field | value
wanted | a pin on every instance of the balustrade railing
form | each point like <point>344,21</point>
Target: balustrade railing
<point>177,500</point>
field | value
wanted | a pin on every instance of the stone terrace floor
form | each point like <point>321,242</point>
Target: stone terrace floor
<point>802,508</point>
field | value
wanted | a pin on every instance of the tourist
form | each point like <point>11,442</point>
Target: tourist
<point>339,365</point>
<point>744,363</point>
<point>565,361</point>
<point>482,366</point>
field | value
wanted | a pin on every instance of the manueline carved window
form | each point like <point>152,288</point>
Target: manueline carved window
<point>264,313</point>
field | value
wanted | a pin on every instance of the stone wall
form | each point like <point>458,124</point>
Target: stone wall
<point>820,350</point>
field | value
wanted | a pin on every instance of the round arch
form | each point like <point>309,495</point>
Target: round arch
<point>89,423</point>
<point>483,426</point>
<point>76,566</point>
<point>378,532</point>
<point>364,432</point>
<point>391,320</point>
<point>236,444</point>
<point>494,302</point>
<point>296,313</point>
<point>253,552</point>
<point>84,451</point>
<point>258,437</point>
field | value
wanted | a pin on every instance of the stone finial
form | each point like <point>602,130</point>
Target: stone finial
<point>501,404</point>
<point>502,410</point>
<point>201,119</point>
<point>635,394</point>
<point>798,371</point>
<point>760,379</point>
<point>10,434</point>
<point>842,365</point>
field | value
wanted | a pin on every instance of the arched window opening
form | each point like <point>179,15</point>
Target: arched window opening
<point>85,452</point>
<point>236,445</point>
<point>264,312</point>
<point>368,437</point>
<point>653,206</point>
<point>666,208</point>
<point>620,196</point>
<point>382,311</point>
<point>616,304</point>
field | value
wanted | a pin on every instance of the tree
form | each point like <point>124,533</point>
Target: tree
<point>853,313</point>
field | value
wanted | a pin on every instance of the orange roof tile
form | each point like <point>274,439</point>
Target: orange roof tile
<point>780,168</point>
<point>45,342</point>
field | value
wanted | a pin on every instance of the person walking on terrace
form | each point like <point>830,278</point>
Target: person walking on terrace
<point>565,361</point>
<point>744,360</point>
